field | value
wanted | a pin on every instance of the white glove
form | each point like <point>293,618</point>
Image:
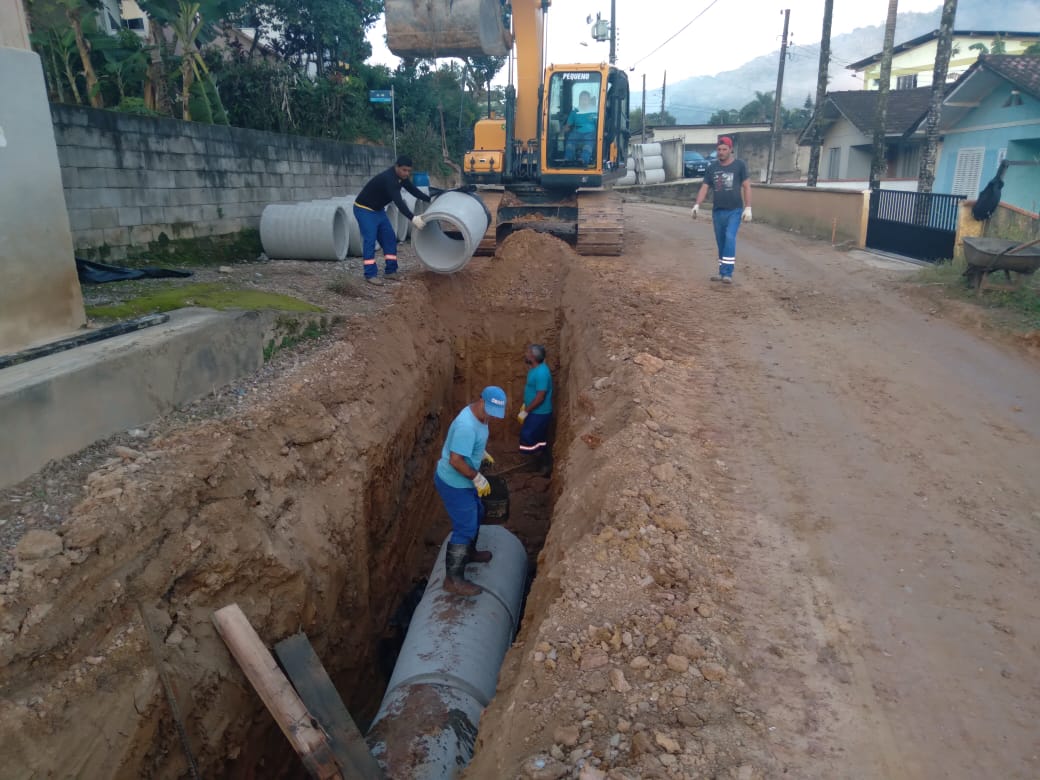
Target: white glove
<point>482,485</point>
<point>695,210</point>
<point>488,459</point>
<point>522,415</point>
<point>746,217</point>
<point>418,222</point>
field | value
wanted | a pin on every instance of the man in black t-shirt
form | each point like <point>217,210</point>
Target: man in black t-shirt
<point>370,211</point>
<point>727,177</point>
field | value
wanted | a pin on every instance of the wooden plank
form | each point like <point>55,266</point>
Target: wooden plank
<point>319,695</point>
<point>277,693</point>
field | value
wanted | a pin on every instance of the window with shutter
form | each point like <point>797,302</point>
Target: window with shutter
<point>834,163</point>
<point>968,173</point>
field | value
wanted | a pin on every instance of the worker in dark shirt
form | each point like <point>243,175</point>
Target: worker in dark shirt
<point>370,210</point>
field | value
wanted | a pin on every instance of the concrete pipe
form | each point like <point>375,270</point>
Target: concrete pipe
<point>654,177</point>
<point>446,28</point>
<point>455,224</point>
<point>648,150</point>
<point>304,231</point>
<point>652,163</point>
<point>398,221</point>
<point>354,241</point>
<point>448,668</point>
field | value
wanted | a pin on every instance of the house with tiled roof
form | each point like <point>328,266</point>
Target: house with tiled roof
<point>913,61</point>
<point>848,132</point>
<point>992,114</point>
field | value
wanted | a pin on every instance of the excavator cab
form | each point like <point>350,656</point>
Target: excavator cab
<point>584,126</point>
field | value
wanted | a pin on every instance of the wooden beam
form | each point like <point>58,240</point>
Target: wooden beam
<point>319,695</point>
<point>277,693</point>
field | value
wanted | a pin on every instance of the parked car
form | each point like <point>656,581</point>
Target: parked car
<point>695,165</point>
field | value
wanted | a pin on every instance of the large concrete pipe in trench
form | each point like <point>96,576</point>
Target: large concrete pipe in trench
<point>455,224</point>
<point>448,668</point>
<point>304,231</point>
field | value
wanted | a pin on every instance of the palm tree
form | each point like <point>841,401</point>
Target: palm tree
<point>821,95</point>
<point>878,160</point>
<point>926,174</point>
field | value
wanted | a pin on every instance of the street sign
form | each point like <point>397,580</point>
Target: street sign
<point>379,96</point>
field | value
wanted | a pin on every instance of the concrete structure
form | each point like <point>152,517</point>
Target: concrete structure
<point>704,138</point>
<point>14,30</point>
<point>447,671</point>
<point>993,114</point>
<point>819,212</point>
<point>914,61</point>
<point>848,127</point>
<point>131,180</point>
<point>56,405</point>
<point>39,291</point>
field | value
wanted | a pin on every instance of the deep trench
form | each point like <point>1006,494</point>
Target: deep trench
<point>492,354</point>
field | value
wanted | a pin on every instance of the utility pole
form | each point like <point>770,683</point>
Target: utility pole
<point>613,32</point>
<point>776,134</point>
<point>664,87</point>
<point>642,128</point>
<point>821,95</point>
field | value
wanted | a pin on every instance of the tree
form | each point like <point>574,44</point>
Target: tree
<point>816,134</point>
<point>323,33</point>
<point>656,119</point>
<point>878,161</point>
<point>80,15</point>
<point>944,44</point>
<point>725,116</point>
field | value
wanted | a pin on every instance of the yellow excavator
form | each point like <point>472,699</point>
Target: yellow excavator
<point>548,163</point>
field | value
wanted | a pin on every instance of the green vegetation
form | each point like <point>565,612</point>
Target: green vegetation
<point>1016,306</point>
<point>291,332</point>
<point>302,73</point>
<point>213,296</point>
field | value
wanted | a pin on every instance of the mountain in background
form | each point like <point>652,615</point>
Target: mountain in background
<point>694,100</point>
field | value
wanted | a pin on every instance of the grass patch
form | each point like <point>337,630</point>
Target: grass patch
<point>294,332</point>
<point>213,296</point>
<point>1018,305</point>
<point>348,286</point>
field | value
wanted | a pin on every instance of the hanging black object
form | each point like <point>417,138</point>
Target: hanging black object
<point>989,198</point>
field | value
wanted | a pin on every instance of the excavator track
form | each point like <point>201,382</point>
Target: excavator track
<point>601,224</point>
<point>599,229</point>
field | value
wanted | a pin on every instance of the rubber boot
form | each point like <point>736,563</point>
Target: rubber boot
<point>455,572</point>
<point>473,555</point>
<point>545,462</point>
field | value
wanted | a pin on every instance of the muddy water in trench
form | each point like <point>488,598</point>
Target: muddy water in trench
<point>313,509</point>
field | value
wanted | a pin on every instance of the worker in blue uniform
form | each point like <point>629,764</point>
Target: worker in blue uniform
<point>461,486</point>
<point>535,415</point>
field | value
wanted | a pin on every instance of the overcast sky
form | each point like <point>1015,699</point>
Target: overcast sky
<point>728,34</point>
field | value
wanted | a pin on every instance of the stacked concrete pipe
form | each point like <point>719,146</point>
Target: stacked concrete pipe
<point>305,231</point>
<point>448,668</point>
<point>455,224</point>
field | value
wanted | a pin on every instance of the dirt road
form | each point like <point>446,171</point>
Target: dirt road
<point>885,509</point>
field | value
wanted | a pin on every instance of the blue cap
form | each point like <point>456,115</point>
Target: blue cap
<point>494,401</point>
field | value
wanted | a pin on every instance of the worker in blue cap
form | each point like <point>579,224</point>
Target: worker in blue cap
<point>461,486</point>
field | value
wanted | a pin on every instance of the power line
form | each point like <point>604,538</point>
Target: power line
<point>681,29</point>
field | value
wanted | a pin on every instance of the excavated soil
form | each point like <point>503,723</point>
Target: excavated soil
<point>792,531</point>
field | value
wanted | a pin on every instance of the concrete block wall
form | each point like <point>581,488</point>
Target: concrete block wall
<point>130,179</point>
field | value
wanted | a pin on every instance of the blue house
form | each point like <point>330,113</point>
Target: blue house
<point>990,114</point>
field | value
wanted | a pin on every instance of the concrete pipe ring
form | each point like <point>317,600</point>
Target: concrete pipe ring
<point>455,224</point>
<point>304,231</point>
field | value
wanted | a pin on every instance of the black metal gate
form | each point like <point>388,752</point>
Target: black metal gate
<point>914,224</point>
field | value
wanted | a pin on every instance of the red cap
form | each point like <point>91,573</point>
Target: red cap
<point>725,139</point>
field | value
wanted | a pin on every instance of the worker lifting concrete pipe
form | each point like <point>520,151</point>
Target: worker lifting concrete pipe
<point>448,668</point>
<point>455,224</point>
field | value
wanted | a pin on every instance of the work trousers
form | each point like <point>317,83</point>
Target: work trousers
<point>465,509</point>
<point>375,226</point>
<point>726,223</point>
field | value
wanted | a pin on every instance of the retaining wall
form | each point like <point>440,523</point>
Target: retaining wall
<point>819,212</point>
<point>129,180</point>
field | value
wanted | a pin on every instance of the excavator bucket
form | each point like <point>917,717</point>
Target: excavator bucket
<point>447,28</point>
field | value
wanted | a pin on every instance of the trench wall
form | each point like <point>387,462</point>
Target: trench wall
<point>308,513</point>
<point>133,180</point>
